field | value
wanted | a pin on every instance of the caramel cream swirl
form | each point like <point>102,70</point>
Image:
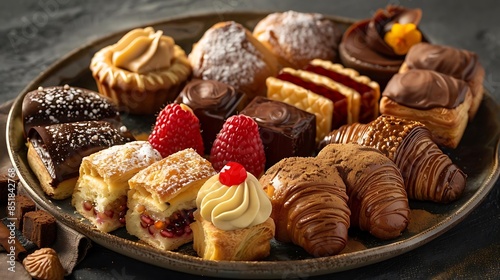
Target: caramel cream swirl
<point>234,207</point>
<point>44,264</point>
<point>143,50</point>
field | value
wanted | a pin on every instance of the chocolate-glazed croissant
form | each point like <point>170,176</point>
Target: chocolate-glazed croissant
<point>428,173</point>
<point>309,204</point>
<point>377,196</point>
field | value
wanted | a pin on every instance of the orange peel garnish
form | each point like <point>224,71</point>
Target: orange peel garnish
<point>402,37</point>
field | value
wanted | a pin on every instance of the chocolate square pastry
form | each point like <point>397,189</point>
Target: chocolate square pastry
<point>212,102</point>
<point>23,205</point>
<point>285,130</point>
<point>40,227</point>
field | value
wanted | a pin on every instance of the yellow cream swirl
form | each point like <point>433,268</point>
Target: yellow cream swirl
<point>235,207</point>
<point>143,50</point>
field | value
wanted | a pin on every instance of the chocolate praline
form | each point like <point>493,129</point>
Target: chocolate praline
<point>212,102</point>
<point>364,49</point>
<point>285,130</point>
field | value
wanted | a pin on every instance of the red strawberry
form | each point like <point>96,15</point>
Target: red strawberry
<point>239,141</point>
<point>176,129</point>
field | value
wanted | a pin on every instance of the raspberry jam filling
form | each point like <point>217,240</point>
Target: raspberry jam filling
<point>116,210</point>
<point>367,94</point>
<point>176,225</point>
<point>339,100</point>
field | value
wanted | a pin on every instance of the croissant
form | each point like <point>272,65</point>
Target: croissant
<point>309,202</point>
<point>428,173</point>
<point>377,196</point>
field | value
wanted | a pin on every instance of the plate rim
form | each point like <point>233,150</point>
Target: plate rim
<point>259,269</point>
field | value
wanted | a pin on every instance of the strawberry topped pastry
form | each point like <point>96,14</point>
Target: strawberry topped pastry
<point>239,140</point>
<point>176,129</point>
<point>233,217</point>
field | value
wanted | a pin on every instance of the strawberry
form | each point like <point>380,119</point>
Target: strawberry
<point>176,129</point>
<point>239,141</point>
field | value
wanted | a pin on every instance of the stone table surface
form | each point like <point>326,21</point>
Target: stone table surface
<point>34,34</point>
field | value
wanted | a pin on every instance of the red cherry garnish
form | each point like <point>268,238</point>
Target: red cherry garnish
<point>232,174</point>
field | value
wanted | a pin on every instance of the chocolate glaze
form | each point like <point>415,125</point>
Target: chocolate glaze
<point>63,104</point>
<point>212,102</point>
<point>426,89</point>
<point>63,146</point>
<point>285,130</point>
<point>458,63</point>
<point>377,196</point>
<point>309,204</point>
<point>427,172</point>
<point>363,47</point>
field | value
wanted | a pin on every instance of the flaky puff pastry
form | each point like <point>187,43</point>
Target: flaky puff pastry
<point>103,182</point>
<point>244,244</point>
<point>229,53</point>
<point>160,191</point>
<point>439,101</point>
<point>309,202</point>
<point>458,63</point>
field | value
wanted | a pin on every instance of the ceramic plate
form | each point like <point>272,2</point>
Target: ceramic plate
<point>477,155</point>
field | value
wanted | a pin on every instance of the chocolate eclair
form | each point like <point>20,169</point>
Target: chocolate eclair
<point>64,104</point>
<point>285,130</point>
<point>212,102</point>
<point>458,63</point>
<point>365,46</point>
<point>439,101</point>
<point>56,151</point>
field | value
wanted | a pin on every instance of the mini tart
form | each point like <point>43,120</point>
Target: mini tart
<point>100,193</point>
<point>147,89</point>
<point>162,199</point>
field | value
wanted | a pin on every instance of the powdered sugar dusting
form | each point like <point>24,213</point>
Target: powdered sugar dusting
<point>300,37</point>
<point>53,105</point>
<point>132,156</point>
<point>228,56</point>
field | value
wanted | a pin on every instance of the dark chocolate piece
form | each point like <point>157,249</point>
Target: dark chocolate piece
<point>40,227</point>
<point>212,102</point>
<point>285,130</point>
<point>426,89</point>
<point>458,63</point>
<point>23,205</point>
<point>64,104</point>
<point>11,244</point>
<point>63,146</point>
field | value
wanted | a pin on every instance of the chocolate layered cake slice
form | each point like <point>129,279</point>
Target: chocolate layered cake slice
<point>366,92</point>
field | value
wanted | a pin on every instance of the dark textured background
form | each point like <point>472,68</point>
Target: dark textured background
<point>33,34</point>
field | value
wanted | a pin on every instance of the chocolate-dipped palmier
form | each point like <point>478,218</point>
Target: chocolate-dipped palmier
<point>285,130</point>
<point>64,104</point>
<point>56,151</point>
<point>458,63</point>
<point>439,101</point>
<point>428,173</point>
<point>212,102</point>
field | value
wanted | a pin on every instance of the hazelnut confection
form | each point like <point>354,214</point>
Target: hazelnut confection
<point>44,264</point>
